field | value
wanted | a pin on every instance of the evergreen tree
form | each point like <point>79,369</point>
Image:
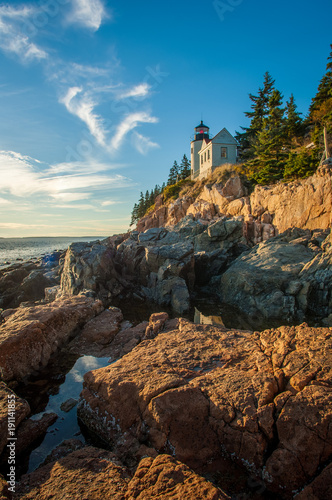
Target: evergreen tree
<point>259,106</point>
<point>141,206</point>
<point>324,91</point>
<point>134,215</point>
<point>269,151</point>
<point>173,174</point>
<point>184,168</point>
<point>293,122</point>
<point>320,111</point>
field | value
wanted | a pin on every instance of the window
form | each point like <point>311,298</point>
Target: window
<point>202,159</point>
<point>223,152</point>
<point>192,150</point>
<point>205,156</point>
<point>208,154</point>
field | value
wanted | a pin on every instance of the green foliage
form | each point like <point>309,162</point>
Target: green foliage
<point>260,108</point>
<point>184,168</point>
<point>174,172</point>
<point>294,127</point>
<point>172,192</point>
<point>301,164</point>
<point>320,111</point>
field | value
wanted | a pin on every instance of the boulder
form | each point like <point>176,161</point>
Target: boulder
<point>284,278</point>
<point>85,473</point>
<point>166,478</point>
<point>91,266</point>
<point>200,391</point>
<point>32,429</point>
<point>30,335</point>
<point>98,333</point>
<point>27,281</point>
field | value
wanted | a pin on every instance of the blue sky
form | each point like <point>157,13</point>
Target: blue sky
<point>98,98</point>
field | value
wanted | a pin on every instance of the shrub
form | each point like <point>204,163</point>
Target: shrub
<point>302,164</point>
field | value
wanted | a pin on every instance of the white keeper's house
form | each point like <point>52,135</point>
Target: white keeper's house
<point>207,154</point>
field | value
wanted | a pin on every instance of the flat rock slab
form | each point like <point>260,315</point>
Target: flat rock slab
<point>94,474</point>
<point>30,335</point>
<point>200,391</point>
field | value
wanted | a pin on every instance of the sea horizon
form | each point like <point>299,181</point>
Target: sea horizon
<point>21,249</point>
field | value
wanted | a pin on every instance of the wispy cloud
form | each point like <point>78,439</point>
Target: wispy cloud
<point>25,177</point>
<point>143,144</point>
<point>87,13</point>
<point>108,203</point>
<point>82,105</point>
<point>141,90</point>
<point>12,40</point>
<point>129,123</point>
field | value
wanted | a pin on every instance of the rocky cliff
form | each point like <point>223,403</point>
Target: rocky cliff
<point>268,210</point>
<point>268,253</point>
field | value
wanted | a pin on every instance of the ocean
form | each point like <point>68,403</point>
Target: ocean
<point>14,250</point>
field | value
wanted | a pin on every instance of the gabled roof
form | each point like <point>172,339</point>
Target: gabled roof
<point>233,141</point>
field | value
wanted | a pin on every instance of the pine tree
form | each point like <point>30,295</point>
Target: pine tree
<point>320,111</point>
<point>269,151</point>
<point>324,91</point>
<point>184,168</point>
<point>173,174</point>
<point>293,122</point>
<point>134,215</point>
<point>259,106</point>
<point>141,208</point>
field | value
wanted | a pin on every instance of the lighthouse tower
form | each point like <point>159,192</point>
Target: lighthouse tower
<point>201,133</point>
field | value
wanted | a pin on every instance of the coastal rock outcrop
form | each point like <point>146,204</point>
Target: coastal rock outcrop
<point>29,335</point>
<point>91,266</point>
<point>287,277</point>
<point>26,282</point>
<point>267,211</point>
<point>196,392</point>
<point>94,473</point>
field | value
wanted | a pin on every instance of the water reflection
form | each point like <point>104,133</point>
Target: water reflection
<point>200,318</point>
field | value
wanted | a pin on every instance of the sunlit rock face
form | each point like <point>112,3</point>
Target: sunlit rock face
<point>29,335</point>
<point>197,392</point>
<point>95,473</point>
<point>269,210</point>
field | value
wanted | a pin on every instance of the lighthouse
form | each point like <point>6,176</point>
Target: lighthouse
<point>201,134</point>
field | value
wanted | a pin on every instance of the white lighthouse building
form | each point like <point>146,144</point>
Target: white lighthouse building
<point>207,154</point>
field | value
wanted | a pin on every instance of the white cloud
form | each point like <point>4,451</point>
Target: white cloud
<point>83,107</point>
<point>12,40</point>
<point>129,123</point>
<point>24,177</point>
<point>67,197</point>
<point>87,13</point>
<point>141,90</point>
<point>108,203</point>
<point>143,144</point>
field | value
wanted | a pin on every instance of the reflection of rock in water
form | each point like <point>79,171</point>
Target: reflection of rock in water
<point>207,320</point>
